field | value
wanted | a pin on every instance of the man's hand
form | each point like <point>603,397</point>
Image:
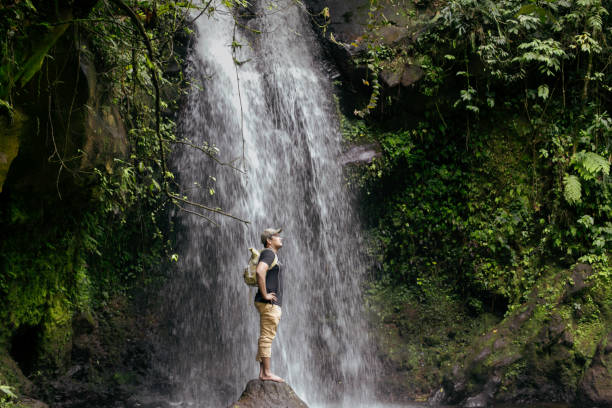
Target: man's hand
<point>270,296</point>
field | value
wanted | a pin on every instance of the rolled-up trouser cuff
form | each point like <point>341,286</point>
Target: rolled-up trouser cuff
<point>269,316</point>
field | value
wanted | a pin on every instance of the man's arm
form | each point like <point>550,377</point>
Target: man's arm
<point>262,270</point>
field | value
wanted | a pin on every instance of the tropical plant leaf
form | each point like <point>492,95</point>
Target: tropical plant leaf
<point>543,91</point>
<point>35,61</point>
<point>589,164</point>
<point>6,105</point>
<point>573,190</point>
<point>527,9</point>
<point>8,391</point>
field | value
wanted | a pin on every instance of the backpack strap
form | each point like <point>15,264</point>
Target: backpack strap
<point>275,261</point>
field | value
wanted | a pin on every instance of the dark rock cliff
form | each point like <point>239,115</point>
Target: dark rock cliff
<point>65,126</point>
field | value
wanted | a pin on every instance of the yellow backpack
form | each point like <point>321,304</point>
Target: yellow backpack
<point>250,272</point>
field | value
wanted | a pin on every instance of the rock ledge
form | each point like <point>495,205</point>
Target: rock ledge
<point>268,394</point>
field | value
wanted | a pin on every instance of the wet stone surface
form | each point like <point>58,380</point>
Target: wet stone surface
<point>268,394</point>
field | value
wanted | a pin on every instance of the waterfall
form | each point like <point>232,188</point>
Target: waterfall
<point>273,116</point>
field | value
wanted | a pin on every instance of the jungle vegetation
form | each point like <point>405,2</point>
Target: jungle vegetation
<point>500,182</point>
<point>87,238</point>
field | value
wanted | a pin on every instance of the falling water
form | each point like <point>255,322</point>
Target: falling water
<point>271,115</point>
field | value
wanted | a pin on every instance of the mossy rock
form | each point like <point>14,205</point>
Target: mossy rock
<point>61,146</point>
<point>596,385</point>
<point>56,337</point>
<point>11,130</point>
<point>11,374</point>
<point>541,350</point>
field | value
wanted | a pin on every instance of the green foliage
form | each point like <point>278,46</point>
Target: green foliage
<point>500,184</point>
<point>34,63</point>
<point>7,403</point>
<point>7,391</point>
<point>12,23</point>
<point>547,53</point>
<point>588,164</point>
<point>111,247</point>
<point>65,257</point>
<point>8,397</point>
<point>485,203</point>
<point>421,333</point>
<point>572,191</point>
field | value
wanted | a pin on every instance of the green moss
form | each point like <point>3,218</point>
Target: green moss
<point>39,272</point>
<point>123,377</point>
<point>422,335</point>
<point>511,374</point>
<point>5,402</point>
<point>587,337</point>
<point>56,336</point>
<point>11,375</point>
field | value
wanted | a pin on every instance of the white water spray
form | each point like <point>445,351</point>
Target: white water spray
<point>273,116</point>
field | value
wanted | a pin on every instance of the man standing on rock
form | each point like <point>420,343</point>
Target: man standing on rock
<point>268,300</point>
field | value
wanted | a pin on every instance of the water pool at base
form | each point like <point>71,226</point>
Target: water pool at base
<point>424,404</point>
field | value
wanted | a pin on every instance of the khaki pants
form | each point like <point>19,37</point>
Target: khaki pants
<point>269,316</point>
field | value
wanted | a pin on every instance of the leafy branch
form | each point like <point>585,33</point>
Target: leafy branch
<point>162,159</point>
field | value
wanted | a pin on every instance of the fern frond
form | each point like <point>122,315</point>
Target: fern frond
<point>8,391</point>
<point>573,190</point>
<point>592,163</point>
<point>595,22</point>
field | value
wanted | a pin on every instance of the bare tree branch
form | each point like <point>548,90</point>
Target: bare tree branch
<point>204,207</point>
<point>201,12</point>
<point>209,154</point>
<point>234,46</point>
<point>196,213</point>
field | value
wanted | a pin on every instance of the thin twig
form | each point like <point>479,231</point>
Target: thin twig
<point>201,12</point>
<point>441,117</point>
<point>55,149</point>
<point>79,20</point>
<point>209,154</point>
<point>197,213</point>
<point>204,207</point>
<point>238,87</point>
<point>74,95</point>
<point>59,172</point>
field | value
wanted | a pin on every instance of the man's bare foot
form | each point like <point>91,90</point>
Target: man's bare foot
<point>271,377</point>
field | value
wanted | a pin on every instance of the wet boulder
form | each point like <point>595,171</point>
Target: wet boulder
<point>28,402</point>
<point>596,386</point>
<point>406,75</point>
<point>360,154</point>
<point>538,351</point>
<point>268,394</point>
<point>412,73</point>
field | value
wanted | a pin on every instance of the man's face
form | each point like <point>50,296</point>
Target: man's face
<point>275,241</point>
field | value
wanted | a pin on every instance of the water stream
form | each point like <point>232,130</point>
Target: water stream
<point>273,116</point>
